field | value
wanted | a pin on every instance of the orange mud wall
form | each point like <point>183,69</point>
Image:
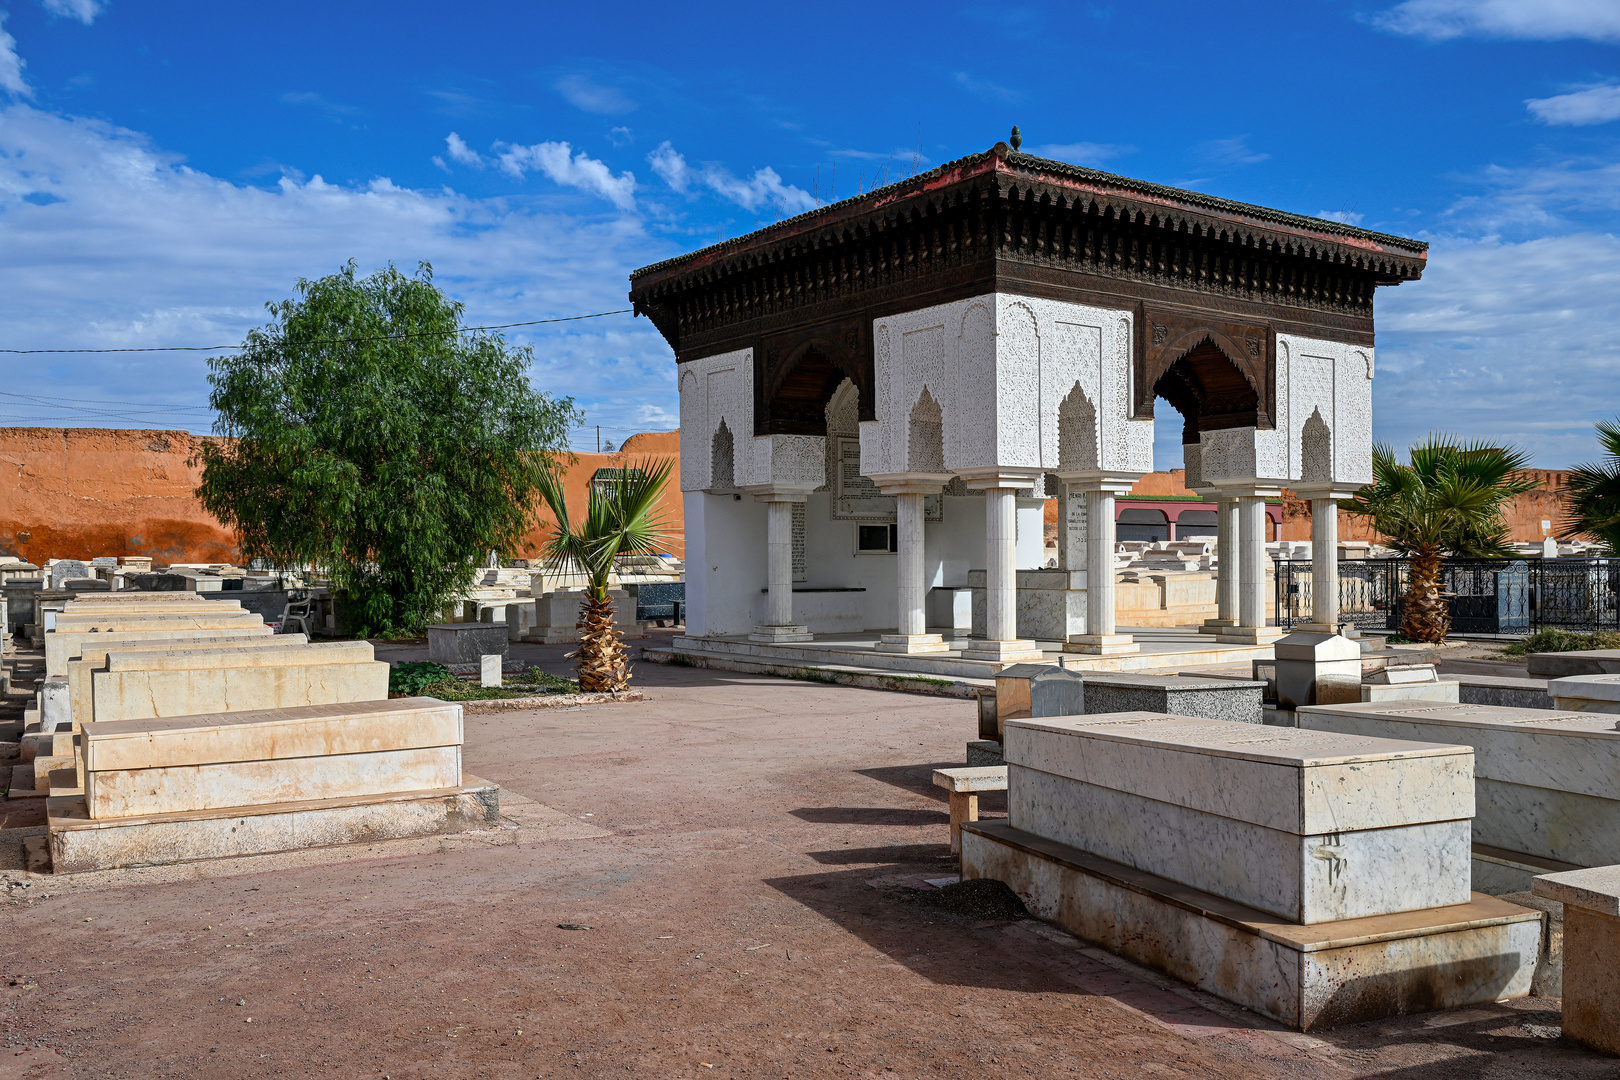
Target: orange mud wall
<point>637,450</point>
<point>1524,514</point>
<point>78,493</point>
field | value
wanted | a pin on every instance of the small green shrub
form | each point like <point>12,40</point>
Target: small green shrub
<point>412,677</point>
<point>1545,641</point>
<point>540,682</point>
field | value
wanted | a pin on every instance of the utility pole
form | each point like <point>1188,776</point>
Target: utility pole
<point>598,438</point>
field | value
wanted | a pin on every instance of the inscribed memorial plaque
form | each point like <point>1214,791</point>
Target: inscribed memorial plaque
<point>856,498</point>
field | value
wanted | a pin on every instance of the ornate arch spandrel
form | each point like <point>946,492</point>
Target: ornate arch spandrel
<point>1163,339</point>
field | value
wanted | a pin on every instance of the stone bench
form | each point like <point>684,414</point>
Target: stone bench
<point>1316,878</point>
<point>1547,784</point>
<point>134,686</point>
<point>964,786</point>
<point>1591,990</point>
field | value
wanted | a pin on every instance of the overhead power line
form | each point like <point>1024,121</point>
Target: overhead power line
<point>334,341</point>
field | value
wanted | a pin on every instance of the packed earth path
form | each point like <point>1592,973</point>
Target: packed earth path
<point>738,876</point>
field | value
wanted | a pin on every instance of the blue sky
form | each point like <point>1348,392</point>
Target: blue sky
<point>166,169</point>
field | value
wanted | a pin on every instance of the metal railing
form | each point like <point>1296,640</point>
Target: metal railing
<point>1487,596</point>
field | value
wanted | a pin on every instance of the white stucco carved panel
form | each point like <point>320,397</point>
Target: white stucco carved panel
<point>716,390</point>
<point>1328,385</point>
<point>1000,368</point>
<point>789,461</point>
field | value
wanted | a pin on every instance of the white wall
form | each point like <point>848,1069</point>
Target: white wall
<point>725,562</point>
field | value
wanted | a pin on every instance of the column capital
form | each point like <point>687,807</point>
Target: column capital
<point>910,483</point>
<point>1112,481</point>
<point>985,477</point>
<point>769,493</point>
<point>1325,490</point>
<point>1249,489</point>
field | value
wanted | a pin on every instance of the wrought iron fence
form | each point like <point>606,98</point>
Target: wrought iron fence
<point>1487,596</point>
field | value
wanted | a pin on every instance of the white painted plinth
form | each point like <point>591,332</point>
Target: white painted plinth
<point>1307,977</point>
<point>771,635</point>
<point>910,644</point>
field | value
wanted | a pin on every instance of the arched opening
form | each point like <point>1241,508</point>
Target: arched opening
<point>1197,524</point>
<point>798,389</point>
<point>1210,392</point>
<point>1135,524</point>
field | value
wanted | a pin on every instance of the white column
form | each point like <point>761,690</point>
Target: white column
<point>779,625</point>
<point>1230,527</point>
<point>1001,641</point>
<point>1325,565</point>
<point>1101,636</point>
<point>779,563</point>
<point>1226,567</point>
<point>1252,563</point>
<point>911,583</point>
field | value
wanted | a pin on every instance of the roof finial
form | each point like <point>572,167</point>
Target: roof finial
<point>1017,138</point>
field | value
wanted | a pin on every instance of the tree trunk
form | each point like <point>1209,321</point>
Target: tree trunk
<point>600,659</point>
<point>1426,616</point>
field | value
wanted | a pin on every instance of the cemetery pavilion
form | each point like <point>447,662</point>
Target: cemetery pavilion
<point>877,396</point>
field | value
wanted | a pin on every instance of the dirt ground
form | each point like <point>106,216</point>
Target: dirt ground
<point>744,863</point>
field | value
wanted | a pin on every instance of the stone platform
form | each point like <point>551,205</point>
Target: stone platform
<point>80,843</point>
<point>1161,649</point>
<point>1307,977</point>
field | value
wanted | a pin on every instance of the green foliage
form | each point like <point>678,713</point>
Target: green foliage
<point>539,682</point>
<point>1447,501</point>
<point>365,436</point>
<point>411,677</point>
<point>1592,493</point>
<point>1544,641</point>
<point>621,519</point>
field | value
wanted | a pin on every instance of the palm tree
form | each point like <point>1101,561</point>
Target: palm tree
<point>622,519</point>
<point>1593,492</point>
<point>1447,502</point>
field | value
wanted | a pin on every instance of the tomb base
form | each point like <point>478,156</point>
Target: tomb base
<point>80,843</point>
<point>774,635</point>
<point>1012,651</point>
<point>1251,635</point>
<point>1102,644</point>
<point>983,753</point>
<point>912,643</point>
<point>1308,977</point>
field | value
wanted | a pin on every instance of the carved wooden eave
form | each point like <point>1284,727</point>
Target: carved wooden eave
<point>1005,221</point>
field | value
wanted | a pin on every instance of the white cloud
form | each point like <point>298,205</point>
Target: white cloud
<point>461,153</point>
<point>1343,217</point>
<point>11,65</point>
<point>1525,20</point>
<point>984,88</point>
<point>1563,196</point>
<point>111,242</point>
<point>1511,341</point>
<point>1088,154</point>
<point>83,10</point>
<point>1592,105</point>
<point>1234,151</point>
<point>582,93</point>
<point>579,171</point>
<point>670,166</point>
<point>764,189</point>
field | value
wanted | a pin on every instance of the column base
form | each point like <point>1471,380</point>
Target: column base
<point>1315,628</point>
<point>1004,652</point>
<point>1251,635</point>
<point>776,635</point>
<point>1217,626</point>
<point>1102,644</point>
<point>912,643</point>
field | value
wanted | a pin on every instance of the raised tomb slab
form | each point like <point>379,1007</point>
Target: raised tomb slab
<point>1547,783</point>
<point>1315,877</point>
